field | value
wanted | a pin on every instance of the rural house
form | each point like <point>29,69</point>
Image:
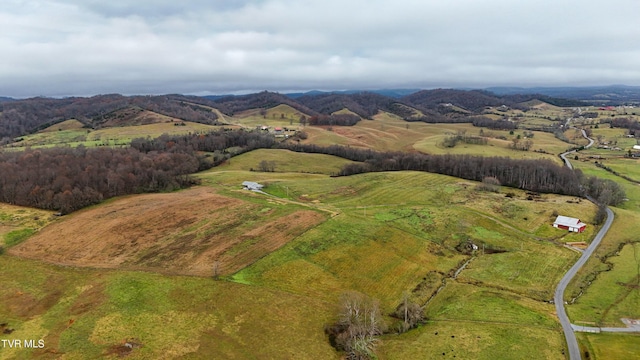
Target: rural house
<point>568,223</point>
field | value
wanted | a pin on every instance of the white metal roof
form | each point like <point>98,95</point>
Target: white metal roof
<point>252,185</point>
<point>568,221</point>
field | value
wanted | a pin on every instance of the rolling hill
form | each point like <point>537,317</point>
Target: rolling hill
<point>22,117</point>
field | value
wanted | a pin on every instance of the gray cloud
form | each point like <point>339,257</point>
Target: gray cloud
<point>69,47</point>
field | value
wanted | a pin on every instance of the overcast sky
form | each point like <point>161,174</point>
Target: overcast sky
<point>88,47</point>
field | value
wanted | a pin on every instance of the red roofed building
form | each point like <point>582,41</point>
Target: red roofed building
<point>568,223</point>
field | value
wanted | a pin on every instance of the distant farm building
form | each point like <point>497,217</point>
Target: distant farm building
<point>568,223</point>
<point>253,186</point>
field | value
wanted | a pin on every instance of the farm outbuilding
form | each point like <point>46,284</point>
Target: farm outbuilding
<point>569,223</point>
<point>253,186</point>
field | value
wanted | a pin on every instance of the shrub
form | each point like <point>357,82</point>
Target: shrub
<point>490,183</point>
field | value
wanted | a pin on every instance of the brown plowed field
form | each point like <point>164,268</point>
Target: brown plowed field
<point>177,233</point>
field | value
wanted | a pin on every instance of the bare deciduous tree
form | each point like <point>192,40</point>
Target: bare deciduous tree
<point>360,322</point>
<point>267,166</point>
<point>411,313</point>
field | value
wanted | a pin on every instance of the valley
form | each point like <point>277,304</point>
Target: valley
<point>216,271</point>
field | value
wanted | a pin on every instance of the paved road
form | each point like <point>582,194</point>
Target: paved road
<point>558,298</point>
<point>564,155</point>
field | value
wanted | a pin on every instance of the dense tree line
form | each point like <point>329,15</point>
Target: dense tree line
<point>475,100</point>
<point>461,136</point>
<point>66,179</point>
<point>590,114</point>
<point>535,175</point>
<point>521,98</point>
<point>483,121</point>
<point>625,123</point>
<point>220,141</point>
<point>30,115</point>
<point>604,191</point>
<point>337,119</point>
<point>365,104</point>
<point>231,105</point>
<point>435,118</point>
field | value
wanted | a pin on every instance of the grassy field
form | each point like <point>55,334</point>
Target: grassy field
<point>610,277</point>
<point>185,232</point>
<point>287,161</point>
<point>388,239</point>
<point>390,133</point>
<point>463,302</point>
<point>606,287</point>
<point>475,340</point>
<point>114,136</point>
<point>18,223</point>
<point>629,167</point>
<point>84,313</point>
<point>610,346</point>
<point>616,294</point>
<point>285,260</point>
<point>280,115</point>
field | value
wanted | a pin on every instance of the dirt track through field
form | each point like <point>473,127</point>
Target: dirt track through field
<point>177,233</point>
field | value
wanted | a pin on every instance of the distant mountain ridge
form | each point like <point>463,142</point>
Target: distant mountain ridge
<point>393,93</point>
<point>433,106</point>
<point>612,95</point>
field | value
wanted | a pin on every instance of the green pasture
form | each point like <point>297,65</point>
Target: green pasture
<point>287,161</point>
<point>607,346</point>
<point>605,288</point>
<point>407,234</point>
<point>463,302</point>
<point>475,340</point>
<point>18,223</point>
<point>114,136</point>
<point>629,167</point>
<point>632,190</point>
<point>615,294</point>
<point>85,313</point>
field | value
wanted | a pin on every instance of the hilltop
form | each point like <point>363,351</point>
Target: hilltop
<point>21,117</point>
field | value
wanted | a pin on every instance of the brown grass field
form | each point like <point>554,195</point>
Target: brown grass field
<point>387,132</point>
<point>177,233</point>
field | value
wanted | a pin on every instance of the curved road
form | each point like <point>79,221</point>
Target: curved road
<point>558,298</point>
<point>563,156</point>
